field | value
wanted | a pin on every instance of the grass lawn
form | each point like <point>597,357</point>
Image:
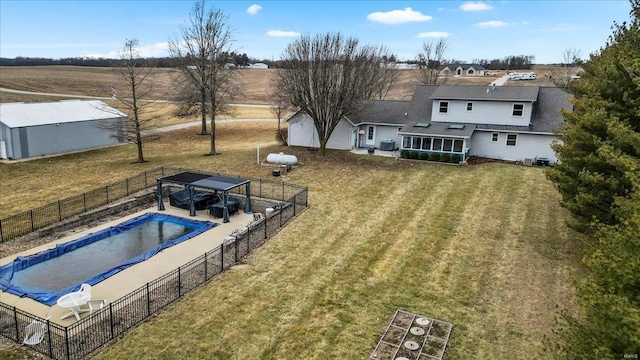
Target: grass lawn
<point>483,247</point>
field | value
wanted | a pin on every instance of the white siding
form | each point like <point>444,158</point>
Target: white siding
<point>382,133</point>
<point>302,132</point>
<point>527,146</point>
<point>484,112</point>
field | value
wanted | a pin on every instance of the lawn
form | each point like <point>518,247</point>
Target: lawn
<point>483,247</point>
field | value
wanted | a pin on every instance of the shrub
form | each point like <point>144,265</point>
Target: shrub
<point>424,156</point>
<point>404,154</point>
<point>414,154</point>
<point>455,158</point>
<point>434,157</point>
<point>446,157</point>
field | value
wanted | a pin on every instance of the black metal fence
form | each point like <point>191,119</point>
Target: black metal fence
<point>85,336</point>
<point>32,220</point>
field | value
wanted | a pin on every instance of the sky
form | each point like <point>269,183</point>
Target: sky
<point>262,29</point>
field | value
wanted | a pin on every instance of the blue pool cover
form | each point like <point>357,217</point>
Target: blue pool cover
<point>48,275</point>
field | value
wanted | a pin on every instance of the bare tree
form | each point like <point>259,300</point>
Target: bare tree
<point>561,76</point>
<point>136,73</point>
<point>388,78</point>
<point>281,106</point>
<point>431,61</point>
<point>201,53</point>
<point>327,76</point>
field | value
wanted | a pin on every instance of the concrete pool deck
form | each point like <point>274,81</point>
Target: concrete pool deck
<point>139,274</point>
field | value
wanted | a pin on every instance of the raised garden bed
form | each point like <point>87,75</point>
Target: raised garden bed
<point>414,337</point>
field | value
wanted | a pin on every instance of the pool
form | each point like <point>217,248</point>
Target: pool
<point>48,275</point>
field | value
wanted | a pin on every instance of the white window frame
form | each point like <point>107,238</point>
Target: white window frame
<point>469,108</point>
<point>497,137</point>
<point>440,107</point>
<point>513,110</point>
<point>515,140</point>
<point>371,132</point>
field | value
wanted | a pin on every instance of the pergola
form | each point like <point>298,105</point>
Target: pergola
<point>217,183</point>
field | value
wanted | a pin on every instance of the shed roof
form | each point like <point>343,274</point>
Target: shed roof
<point>16,115</point>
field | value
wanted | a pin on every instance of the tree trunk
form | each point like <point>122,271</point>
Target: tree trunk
<point>203,113</point>
<point>213,127</point>
<point>323,146</point>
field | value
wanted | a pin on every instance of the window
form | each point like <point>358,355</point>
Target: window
<point>444,107</point>
<point>518,110</point>
<point>437,144</point>
<point>469,106</point>
<point>448,145</point>
<point>426,144</point>
<point>416,142</point>
<point>495,137</point>
<point>370,134</point>
<point>406,142</point>
<point>470,72</point>
<point>457,145</point>
<point>512,139</point>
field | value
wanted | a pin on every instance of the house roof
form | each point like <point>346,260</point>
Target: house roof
<point>16,115</point>
<point>478,92</point>
<point>439,128</point>
<point>467,66</point>
<point>546,115</point>
<point>381,112</point>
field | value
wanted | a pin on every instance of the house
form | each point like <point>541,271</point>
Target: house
<point>36,129</point>
<point>259,66</point>
<point>510,123</point>
<point>463,70</point>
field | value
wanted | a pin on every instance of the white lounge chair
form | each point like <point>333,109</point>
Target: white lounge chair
<point>34,332</point>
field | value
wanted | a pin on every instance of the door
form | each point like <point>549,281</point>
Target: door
<point>371,135</point>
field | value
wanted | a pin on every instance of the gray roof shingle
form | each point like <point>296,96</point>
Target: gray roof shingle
<point>478,92</point>
<point>381,112</point>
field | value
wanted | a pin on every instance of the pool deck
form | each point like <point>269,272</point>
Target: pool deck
<point>139,274</point>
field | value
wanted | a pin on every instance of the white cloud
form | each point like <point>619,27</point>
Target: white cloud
<point>492,24</point>
<point>434,34</point>
<point>398,16</point>
<point>155,50</point>
<point>253,9</point>
<point>475,6</point>
<point>280,33</point>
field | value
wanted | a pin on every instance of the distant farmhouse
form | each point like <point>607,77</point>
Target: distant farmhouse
<point>36,129</point>
<point>507,122</point>
<point>463,70</point>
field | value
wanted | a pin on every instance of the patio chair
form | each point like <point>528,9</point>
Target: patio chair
<point>95,305</point>
<point>85,288</point>
<point>34,332</point>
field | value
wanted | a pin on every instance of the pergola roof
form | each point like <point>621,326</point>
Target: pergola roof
<point>216,182</point>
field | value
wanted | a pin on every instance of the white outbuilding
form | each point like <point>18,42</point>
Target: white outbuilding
<point>37,129</point>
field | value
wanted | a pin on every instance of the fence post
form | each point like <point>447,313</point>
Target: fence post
<point>237,249</point>
<point>283,191</point>
<point>265,225</point>
<point>281,210</point>
<point>15,319</point>
<point>111,318</point>
<point>148,301</point>
<point>127,185</point>
<point>31,215</point>
<point>222,257</point>
<point>106,191</point>
<point>84,201</point>
<point>59,211</point>
<point>179,282</point>
<point>205,267</point>
<point>260,190</point>
<point>1,237</point>
<point>49,336</point>
<point>66,342</point>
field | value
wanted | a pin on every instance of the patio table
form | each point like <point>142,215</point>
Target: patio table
<point>73,301</point>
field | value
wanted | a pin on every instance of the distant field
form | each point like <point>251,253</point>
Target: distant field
<point>255,83</point>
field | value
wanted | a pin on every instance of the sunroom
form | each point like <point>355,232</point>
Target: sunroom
<point>436,141</point>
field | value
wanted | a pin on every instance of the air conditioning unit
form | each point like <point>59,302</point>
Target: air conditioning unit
<point>528,161</point>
